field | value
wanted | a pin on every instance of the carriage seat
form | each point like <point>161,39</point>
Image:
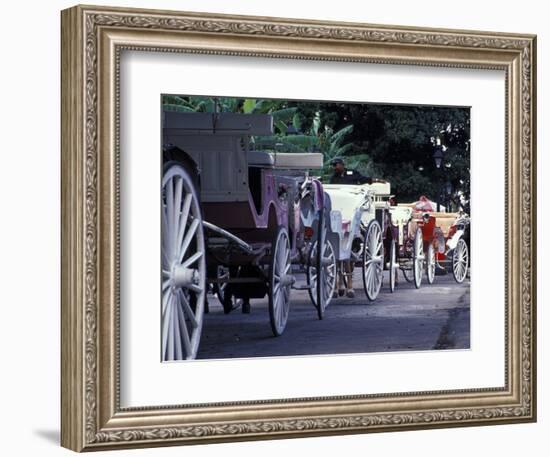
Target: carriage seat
<point>298,160</point>
<point>445,222</point>
<point>346,225</point>
<point>260,159</point>
<point>285,160</point>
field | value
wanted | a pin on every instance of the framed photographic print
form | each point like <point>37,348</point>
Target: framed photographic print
<point>267,228</point>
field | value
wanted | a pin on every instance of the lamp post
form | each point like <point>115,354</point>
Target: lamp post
<point>448,192</point>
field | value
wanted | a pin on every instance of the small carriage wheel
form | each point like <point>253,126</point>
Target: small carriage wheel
<point>228,301</point>
<point>418,258</point>
<point>393,265</point>
<point>183,265</point>
<point>280,282</point>
<point>430,264</point>
<point>460,261</point>
<point>325,262</point>
<point>373,260</point>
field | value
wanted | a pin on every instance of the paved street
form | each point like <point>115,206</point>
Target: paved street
<point>435,316</point>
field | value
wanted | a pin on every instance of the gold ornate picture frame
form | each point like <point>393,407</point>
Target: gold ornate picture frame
<point>93,39</point>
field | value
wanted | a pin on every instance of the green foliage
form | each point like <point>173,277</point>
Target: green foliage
<point>177,107</point>
<point>249,105</point>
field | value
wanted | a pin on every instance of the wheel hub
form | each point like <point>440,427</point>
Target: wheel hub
<point>326,261</point>
<point>287,280</point>
<point>183,276</point>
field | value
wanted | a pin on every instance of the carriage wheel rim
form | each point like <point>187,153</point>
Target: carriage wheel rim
<point>329,267</point>
<point>280,292</point>
<point>430,264</point>
<point>393,267</point>
<point>418,259</point>
<point>460,261</point>
<point>373,260</point>
<point>183,267</point>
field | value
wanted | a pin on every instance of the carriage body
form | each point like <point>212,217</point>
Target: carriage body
<point>245,192</point>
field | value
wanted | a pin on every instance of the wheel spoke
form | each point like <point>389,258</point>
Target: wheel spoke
<point>185,331</point>
<point>186,308</point>
<point>195,288</point>
<point>165,298</point>
<point>279,308</point>
<point>368,273</point>
<point>196,256</point>
<point>167,253</point>
<point>170,215</point>
<point>165,322</point>
<point>176,332</point>
<point>287,257</point>
<point>182,220</point>
<point>176,211</point>
<point>188,237</point>
<point>170,343</point>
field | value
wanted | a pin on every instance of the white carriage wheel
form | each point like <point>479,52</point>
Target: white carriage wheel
<point>373,260</point>
<point>418,258</point>
<point>183,266</point>
<point>328,275</point>
<point>460,261</point>
<point>430,264</point>
<point>280,282</point>
<point>393,265</point>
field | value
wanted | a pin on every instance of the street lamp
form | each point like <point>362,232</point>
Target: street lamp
<point>448,193</point>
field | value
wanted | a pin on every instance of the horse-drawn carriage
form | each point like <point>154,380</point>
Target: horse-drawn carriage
<point>355,234</point>
<point>458,247</point>
<point>445,242</point>
<point>403,239</point>
<point>238,219</point>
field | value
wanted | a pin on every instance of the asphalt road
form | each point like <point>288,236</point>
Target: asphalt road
<point>435,316</point>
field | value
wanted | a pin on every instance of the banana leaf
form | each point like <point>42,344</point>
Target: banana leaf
<point>249,105</point>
